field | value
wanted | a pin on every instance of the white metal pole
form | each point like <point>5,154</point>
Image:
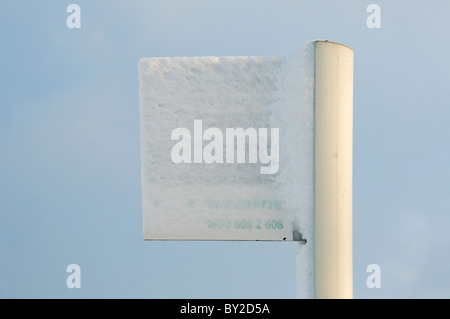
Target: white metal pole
<point>333,170</point>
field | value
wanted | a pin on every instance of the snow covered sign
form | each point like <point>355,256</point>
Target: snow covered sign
<point>253,148</point>
<point>227,147</point>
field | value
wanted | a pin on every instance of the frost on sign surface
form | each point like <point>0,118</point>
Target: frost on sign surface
<point>227,147</point>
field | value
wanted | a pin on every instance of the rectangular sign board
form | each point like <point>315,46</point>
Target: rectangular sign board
<point>227,147</point>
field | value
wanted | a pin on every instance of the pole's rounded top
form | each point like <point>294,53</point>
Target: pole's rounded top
<point>331,42</point>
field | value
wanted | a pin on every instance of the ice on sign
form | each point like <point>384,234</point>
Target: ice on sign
<point>227,147</point>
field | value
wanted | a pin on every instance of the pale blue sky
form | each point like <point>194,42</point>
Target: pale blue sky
<point>70,154</point>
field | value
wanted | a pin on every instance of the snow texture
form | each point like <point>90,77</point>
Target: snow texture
<point>200,201</point>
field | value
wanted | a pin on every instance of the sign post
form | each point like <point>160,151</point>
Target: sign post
<point>333,170</point>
